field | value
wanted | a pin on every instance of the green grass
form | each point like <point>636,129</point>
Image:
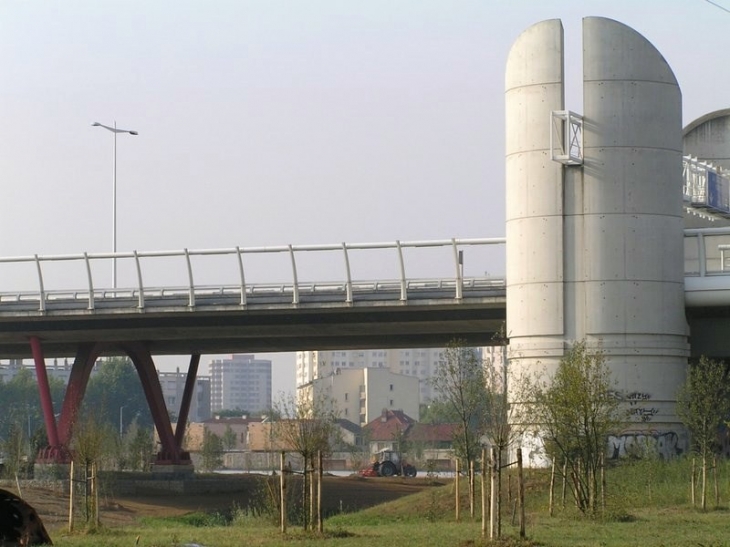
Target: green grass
<point>648,506</point>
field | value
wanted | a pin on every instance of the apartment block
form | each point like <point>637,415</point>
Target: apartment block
<point>240,383</point>
<point>173,386</point>
<point>360,394</point>
<point>421,364</point>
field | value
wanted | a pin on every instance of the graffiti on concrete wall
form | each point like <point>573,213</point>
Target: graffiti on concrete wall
<point>639,407</point>
<point>665,444</point>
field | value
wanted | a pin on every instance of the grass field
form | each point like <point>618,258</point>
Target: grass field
<point>647,505</point>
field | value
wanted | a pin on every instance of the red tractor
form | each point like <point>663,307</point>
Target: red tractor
<point>389,464</point>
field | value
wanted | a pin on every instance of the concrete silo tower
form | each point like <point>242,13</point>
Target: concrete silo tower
<point>595,231</point>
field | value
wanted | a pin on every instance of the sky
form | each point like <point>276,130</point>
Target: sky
<point>274,122</point>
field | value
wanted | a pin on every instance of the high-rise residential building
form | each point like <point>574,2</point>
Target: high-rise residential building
<point>240,383</point>
<point>173,386</point>
<point>420,363</point>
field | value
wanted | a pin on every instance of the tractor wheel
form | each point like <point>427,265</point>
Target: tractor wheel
<point>387,469</point>
<point>410,471</point>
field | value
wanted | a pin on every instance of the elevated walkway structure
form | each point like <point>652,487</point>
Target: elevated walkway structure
<point>706,189</point>
<point>235,314</point>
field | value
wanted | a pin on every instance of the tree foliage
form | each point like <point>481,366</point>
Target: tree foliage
<point>94,441</point>
<point>137,448</point>
<point>438,412</point>
<point>20,405</point>
<point>306,424</point>
<point>573,413</point>
<point>114,386</point>
<point>229,438</point>
<point>459,383</point>
<point>703,404</point>
<point>211,451</point>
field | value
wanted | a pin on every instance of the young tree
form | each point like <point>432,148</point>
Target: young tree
<point>139,447</point>
<point>573,413</point>
<point>500,429</point>
<point>212,451</point>
<point>229,438</point>
<point>93,441</point>
<point>306,426</point>
<point>459,382</point>
<point>15,447</point>
<point>703,403</point>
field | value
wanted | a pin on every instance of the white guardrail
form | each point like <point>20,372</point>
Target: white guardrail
<point>707,251</point>
<point>241,290</point>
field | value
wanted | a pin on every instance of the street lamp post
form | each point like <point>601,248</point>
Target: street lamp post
<point>121,421</point>
<point>114,130</point>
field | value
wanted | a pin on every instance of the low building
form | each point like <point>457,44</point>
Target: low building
<point>429,445</point>
<point>235,429</point>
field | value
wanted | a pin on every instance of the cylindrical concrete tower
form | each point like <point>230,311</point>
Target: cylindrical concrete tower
<point>534,88</point>
<point>613,273</point>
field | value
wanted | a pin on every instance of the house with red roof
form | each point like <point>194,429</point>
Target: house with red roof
<point>427,442</point>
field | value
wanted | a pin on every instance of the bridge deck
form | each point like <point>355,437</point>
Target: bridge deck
<point>268,322</point>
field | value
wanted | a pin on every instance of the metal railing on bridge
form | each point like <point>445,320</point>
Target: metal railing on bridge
<point>707,251</point>
<point>346,289</point>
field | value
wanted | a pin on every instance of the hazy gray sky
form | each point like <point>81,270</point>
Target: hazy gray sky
<point>273,122</point>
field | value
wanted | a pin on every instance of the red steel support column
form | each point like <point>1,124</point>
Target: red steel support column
<point>45,391</point>
<point>142,360</point>
<point>86,357</point>
<point>182,419</point>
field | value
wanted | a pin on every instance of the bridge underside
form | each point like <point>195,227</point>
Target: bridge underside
<point>179,330</point>
<point>394,326</point>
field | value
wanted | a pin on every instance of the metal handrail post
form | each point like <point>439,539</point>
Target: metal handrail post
<point>295,289</point>
<point>41,291</point>
<point>243,277</point>
<point>403,284</point>
<point>348,285</point>
<point>191,300</point>
<point>140,300</point>
<point>91,283</point>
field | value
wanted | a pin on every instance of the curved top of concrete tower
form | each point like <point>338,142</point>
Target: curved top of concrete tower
<point>708,138</point>
<point>635,59</point>
<point>716,115</point>
<point>536,57</point>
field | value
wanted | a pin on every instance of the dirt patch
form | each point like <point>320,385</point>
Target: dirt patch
<point>338,494</point>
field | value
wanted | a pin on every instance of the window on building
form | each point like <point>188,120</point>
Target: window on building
<point>391,402</point>
<point>391,387</point>
<point>347,396</point>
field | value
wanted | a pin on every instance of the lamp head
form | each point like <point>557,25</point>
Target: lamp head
<point>133,133</point>
<point>95,124</point>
